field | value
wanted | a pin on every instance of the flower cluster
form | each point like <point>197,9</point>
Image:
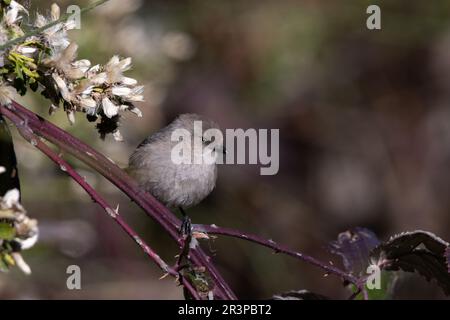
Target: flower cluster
<point>48,62</point>
<point>17,232</point>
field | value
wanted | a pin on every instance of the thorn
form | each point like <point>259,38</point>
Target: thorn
<point>164,276</point>
<point>200,235</point>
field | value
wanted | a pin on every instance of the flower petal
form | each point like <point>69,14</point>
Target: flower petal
<point>62,86</point>
<point>71,117</point>
<point>109,108</point>
<point>137,112</point>
<point>11,198</point>
<point>21,263</point>
<point>121,91</point>
<point>129,81</point>
<point>117,136</point>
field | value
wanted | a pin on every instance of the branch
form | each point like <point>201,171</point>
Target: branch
<point>28,135</point>
<point>154,208</point>
<point>269,243</point>
<point>119,178</point>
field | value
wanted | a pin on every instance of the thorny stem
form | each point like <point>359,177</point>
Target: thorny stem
<point>354,294</point>
<point>118,177</point>
<point>28,135</point>
<point>213,229</point>
<point>154,208</point>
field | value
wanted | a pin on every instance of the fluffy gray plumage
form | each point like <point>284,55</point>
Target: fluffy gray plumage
<point>176,185</point>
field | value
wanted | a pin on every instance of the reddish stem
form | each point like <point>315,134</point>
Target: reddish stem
<point>118,177</point>
<point>269,243</point>
<point>28,135</point>
<point>155,209</point>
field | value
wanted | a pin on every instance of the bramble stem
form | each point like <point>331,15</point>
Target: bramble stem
<point>118,177</point>
<point>28,135</point>
<point>154,208</point>
<point>269,243</point>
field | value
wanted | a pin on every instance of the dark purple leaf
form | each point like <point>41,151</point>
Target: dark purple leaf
<point>417,251</point>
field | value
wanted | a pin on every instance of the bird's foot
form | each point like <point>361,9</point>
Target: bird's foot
<point>186,227</point>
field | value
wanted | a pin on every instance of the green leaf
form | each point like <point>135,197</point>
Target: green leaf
<point>7,231</point>
<point>28,72</point>
<point>3,266</point>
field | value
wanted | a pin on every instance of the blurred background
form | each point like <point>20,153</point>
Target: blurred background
<point>364,119</point>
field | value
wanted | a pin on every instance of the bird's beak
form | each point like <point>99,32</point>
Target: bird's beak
<point>220,150</point>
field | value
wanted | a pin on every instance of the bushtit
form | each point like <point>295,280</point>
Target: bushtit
<point>180,185</point>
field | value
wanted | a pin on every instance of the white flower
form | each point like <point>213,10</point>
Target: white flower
<point>56,36</point>
<point>52,109</point>
<point>129,81</point>
<point>71,117</point>
<point>12,13</point>
<point>26,50</point>
<point>62,86</point>
<point>29,242</point>
<point>6,94</point>
<point>40,21</point>
<point>115,67</point>
<point>109,108</point>
<point>55,12</point>
<point>11,198</point>
<point>2,169</point>
<point>117,136</point>
<point>121,91</point>
<point>26,229</point>
<point>64,62</point>
<point>83,65</point>
<point>87,91</point>
<point>21,263</point>
<point>137,112</point>
<point>93,70</point>
<point>136,94</point>
<point>99,79</point>
<point>88,103</point>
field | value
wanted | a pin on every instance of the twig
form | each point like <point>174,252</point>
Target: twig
<point>354,294</point>
<point>118,177</point>
<point>155,209</point>
<point>269,243</point>
<point>28,135</point>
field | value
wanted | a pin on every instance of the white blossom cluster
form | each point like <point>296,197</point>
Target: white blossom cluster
<point>17,232</point>
<point>48,62</point>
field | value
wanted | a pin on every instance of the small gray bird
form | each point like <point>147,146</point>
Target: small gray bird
<point>176,185</point>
